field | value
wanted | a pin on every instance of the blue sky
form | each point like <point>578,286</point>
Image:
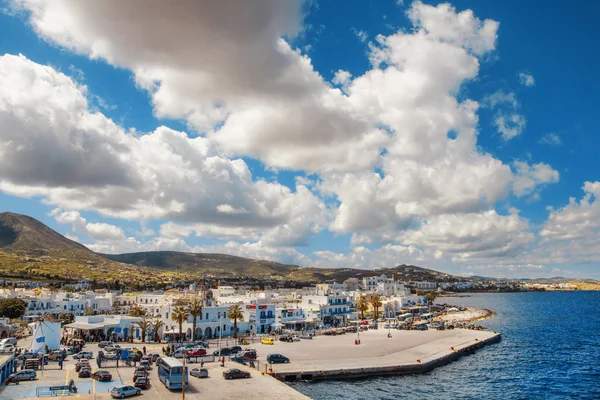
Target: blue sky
<point>451,136</point>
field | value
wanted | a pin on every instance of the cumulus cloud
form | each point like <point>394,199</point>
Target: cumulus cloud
<point>393,150</point>
<point>510,126</point>
<point>526,79</point>
<point>529,177</point>
<point>82,160</point>
<point>230,75</point>
<point>97,231</point>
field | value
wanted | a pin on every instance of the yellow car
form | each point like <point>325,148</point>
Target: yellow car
<point>267,341</point>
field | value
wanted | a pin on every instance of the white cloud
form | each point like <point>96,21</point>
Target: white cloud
<point>529,177</point>
<point>510,126</point>
<point>97,231</point>
<point>526,79</point>
<point>499,98</point>
<point>361,257</point>
<point>360,34</point>
<point>551,139</point>
<point>82,160</point>
<point>231,72</point>
<point>341,77</point>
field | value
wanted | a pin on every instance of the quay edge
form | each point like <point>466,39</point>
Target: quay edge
<point>416,367</point>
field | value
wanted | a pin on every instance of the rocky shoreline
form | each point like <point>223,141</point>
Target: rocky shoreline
<point>468,315</point>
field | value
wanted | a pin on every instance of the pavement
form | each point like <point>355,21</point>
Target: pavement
<point>375,349</point>
<point>259,386</point>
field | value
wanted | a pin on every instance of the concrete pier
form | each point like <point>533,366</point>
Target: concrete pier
<point>406,352</point>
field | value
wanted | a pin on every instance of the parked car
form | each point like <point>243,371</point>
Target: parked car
<point>227,351</point>
<point>85,372</point>
<point>111,355</point>
<point>112,347</point>
<point>102,376</point>
<point>235,373</point>
<point>123,391</point>
<point>57,355</point>
<point>142,382</point>
<point>268,341</point>
<point>27,356</point>
<point>199,372</point>
<point>104,344</point>
<point>180,353</point>
<point>140,373</point>
<point>145,364</point>
<point>10,340</point>
<point>197,352</point>
<point>421,327</point>
<point>69,350</point>
<point>81,364</point>
<point>306,336</point>
<point>24,375</point>
<point>88,355</point>
<point>286,338</point>
<point>153,357</point>
<point>249,354</point>
<point>277,359</point>
<point>351,329</point>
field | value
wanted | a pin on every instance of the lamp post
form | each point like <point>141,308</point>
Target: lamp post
<point>220,333</point>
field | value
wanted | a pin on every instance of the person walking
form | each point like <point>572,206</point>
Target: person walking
<point>144,350</point>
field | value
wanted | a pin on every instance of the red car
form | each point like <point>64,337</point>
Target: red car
<point>197,352</point>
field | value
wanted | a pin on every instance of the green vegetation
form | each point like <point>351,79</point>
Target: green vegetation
<point>362,306</point>
<point>195,310</point>
<point>12,308</point>
<point>144,325</point>
<point>235,314</point>
<point>179,315</point>
<point>376,303</point>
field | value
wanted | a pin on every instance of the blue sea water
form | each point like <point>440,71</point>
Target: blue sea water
<point>550,349</point>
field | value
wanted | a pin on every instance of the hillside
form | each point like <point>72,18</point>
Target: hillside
<point>20,232</point>
<point>31,250</point>
<point>206,263</point>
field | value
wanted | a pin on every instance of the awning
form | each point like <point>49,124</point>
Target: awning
<point>89,327</point>
<point>298,321</point>
<point>277,325</point>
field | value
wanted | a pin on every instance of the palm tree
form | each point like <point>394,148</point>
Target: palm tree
<point>235,314</point>
<point>362,306</point>
<point>376,303</point>
<point>195,310</point>
<point>179,315</point>
<point>156,325</point>
<point>430,297</point>
<point>144,324</point>
<point>137,311</point>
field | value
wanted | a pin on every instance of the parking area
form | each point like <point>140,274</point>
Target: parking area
<point>213,387</point>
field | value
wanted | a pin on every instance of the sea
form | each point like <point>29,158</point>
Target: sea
<point>550,349</point>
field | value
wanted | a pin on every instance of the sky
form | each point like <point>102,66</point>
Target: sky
<point>455,136</point>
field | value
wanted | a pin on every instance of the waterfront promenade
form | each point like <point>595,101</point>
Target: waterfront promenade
<point>405,352</point>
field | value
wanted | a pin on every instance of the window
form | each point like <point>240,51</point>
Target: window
<point>206,315</point>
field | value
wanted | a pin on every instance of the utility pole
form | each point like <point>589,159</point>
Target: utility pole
<point>183,379</point>
<point>220,333</point>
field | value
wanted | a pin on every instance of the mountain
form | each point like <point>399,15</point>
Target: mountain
<point>20,232</point>
<point>206,263</point>
<point>31,250</point>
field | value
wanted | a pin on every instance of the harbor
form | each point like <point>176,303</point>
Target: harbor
<point>405,352</point>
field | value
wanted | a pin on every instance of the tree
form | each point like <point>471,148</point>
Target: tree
<point>235,314</point>
<point>66,317</point>
<point>12,308</point>
<point>179,315</point>
<point>137,311</point>
<point>144,324</point>
<point>156,325</point>
<point>430,297</point>
<point>376,303</point>
<point>362,306</point>
<point>195,310</point>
